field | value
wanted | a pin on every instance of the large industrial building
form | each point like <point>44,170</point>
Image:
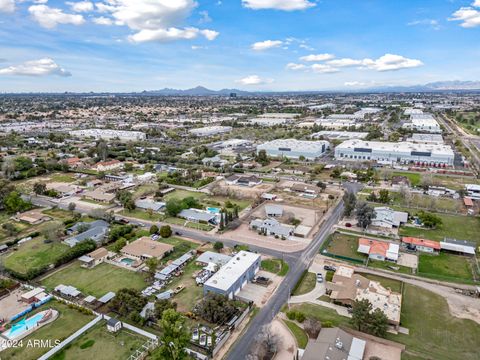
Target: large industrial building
<point>108,134</point>
<point>389,153</point>
<point>211,130</point>
<point>294,149</point>
<point>234,275</point>
<point>423,123</point>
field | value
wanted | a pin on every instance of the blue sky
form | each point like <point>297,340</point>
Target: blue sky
<point>133,45</point>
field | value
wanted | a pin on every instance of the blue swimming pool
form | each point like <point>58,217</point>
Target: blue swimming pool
<point>213,210</point>
<point>127,261</point>
<point>23,325</point>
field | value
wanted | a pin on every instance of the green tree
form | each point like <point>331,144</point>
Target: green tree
<point>153,229</point>
<point>162,305</point>
<point>39,188</point>
<point>430,220</point>
<point>364,214</point>
<point>262,158</point>
<point>377,323</point>
<point>165,231</point>
<point>384,196</point>
<point>14,203</point>
<point>360,314</point>
<point>218,245</point>
<point>349,200</point>
<point>174,207</point>
<point>72,206</point>
<point>175,336</point>
<point>152,264</point>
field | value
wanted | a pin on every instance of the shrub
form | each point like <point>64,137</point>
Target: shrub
<point>165,231</point>
<point>327,324</point>
<point>87,344</point>
<point>300,317</point>
<point>291,314</point>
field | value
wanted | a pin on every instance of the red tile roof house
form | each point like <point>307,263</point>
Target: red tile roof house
<point>378,250</point>
<point>424,245</point>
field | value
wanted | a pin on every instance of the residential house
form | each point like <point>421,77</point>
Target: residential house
<point>273,227</point>
<point>388,218</point>
<point>149,204</point>
<point>32,217</point>
<point>145,248</point>
<point>243,180</point>
<point>423,245</point>
<point>273,210</point>
<point>334,344</point>
<point>378,250</point>
<point>210,257</point>
<point>99,196</point>
<point>94,258</point>
<point>97,231</point>
<point>113,325</point>
<point>199,216</point>
<point>347,287</point>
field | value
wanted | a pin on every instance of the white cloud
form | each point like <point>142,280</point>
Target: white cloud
<point>267,44</point>
<point>254,80</point>
<point>7,6</point>
<point>45,66</point>
<point>345,62</point>
<point>354,83</point>
<point>205,17</point>
<point>155,20</point>
<point>426,22</point>
<point>476,3</point>
<point>391,62</point>
<point>171,34</point>
<point>468,16</point>
<point>324,69</point>
<point>317,57</point>
<point>50,17</point>
<point>294,66</point>
<point>287,5</point>
<point>102,20</point>
<point>81,6</point>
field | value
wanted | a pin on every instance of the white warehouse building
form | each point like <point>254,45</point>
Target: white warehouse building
<point>108,134</point>
<point>210,130</point>
<point>294,149</point>
<point>424,123</point>
<point>389,152</point>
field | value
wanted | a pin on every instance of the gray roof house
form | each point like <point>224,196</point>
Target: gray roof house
<point>272,227</point>
<point>97,232</point>
<point>196,215</point>
<point>213,257</point>
<point>90,225</point>
<point>273,210</point>
<point>147,204</point>
<point>389,218</point>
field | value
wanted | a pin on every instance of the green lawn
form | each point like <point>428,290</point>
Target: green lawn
<point>453,226</point>
<point>181,247</point>
<point>97,281</point>
<point>344,245</point>
<point>300,335</point>
<point>275,266</point>
<point>67,178</point>
<point>221,200</point>
<point>394,285</point>
<point>434,333</point>
<point>142,215</point>
<point>99,344</point>
<point>69,321</point>
<point>415,178</point>
<point>445,266</point>
<point>307,284</point>
<point>34,254</point>
<point>386,265</point>
<point>322,314</point>
<point>58,213</point>
<point>188,224</point>
<point>144,190</point>
<point>181,194</point>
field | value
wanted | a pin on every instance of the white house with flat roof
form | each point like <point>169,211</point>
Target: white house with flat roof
<point>294,149</point>
<point>234,275</point>
<point>390,152</point>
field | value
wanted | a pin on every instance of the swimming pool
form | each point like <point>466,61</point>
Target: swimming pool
<point>127,261</point>
<point>23,325</point>
<point>213,210</point>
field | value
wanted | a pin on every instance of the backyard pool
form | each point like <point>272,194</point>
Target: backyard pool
<point>127,261</point>
<point>24,325</point>
<point>213,210</point>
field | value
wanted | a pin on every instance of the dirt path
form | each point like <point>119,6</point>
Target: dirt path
<point>288,346</point>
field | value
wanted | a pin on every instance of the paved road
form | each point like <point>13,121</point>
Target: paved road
<point>243,347</point>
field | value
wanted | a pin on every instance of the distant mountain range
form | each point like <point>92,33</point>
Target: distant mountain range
<point>430,87</point>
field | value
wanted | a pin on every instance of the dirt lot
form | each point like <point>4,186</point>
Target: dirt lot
<point>248,237</point>
<point>308,216</point>
<point>241,192</point>
<point>260,294</point>
<point>11,305</point>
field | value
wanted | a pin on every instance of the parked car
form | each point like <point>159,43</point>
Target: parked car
<point>330,268</point>
<point>319,278</point>
<point>195,334</point>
